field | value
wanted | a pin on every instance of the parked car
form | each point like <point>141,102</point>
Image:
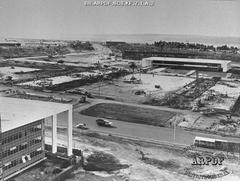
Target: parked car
<point>208,112</point>
<point>104,122</point>
<point>82,126</point>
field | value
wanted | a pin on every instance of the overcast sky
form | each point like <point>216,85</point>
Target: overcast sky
<point>61,19</point>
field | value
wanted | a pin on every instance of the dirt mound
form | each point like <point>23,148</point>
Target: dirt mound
<point>100,161</point>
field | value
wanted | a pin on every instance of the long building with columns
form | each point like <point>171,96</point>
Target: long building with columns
<point>22,133</point>
<point>187,63</point>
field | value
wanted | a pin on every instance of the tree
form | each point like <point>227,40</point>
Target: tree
<point>9,78</point>
<point>60,61</point>
<point>133,66</point>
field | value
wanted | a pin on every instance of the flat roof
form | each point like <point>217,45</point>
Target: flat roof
<point>18,112</point>
<point>189,60</point>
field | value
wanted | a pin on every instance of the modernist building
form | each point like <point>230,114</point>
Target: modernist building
<point>187,63</point>
<point>22,133</point>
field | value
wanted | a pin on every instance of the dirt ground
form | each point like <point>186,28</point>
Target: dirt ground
<point>117,90</point>
<point>163,163</point>
<point>44,171</point>
<point>127,92</point>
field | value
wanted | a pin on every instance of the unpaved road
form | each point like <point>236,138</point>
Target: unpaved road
<point>128,153</point>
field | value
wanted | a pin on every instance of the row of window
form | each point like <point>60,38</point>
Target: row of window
<point>12,138</point>
<point>19,135</point>
<point>23,159</point>
<point>21,147</point>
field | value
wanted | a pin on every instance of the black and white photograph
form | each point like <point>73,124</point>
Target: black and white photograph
<point>119,90</point>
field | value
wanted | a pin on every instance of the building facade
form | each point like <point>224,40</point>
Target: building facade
<point>22,138</point>
<point>187,63</point>
<point>22,147</point>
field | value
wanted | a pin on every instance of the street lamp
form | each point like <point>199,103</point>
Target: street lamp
<point>174,128</point>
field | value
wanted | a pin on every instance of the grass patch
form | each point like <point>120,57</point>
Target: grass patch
<point>128,113</point>
<point>172,165</point>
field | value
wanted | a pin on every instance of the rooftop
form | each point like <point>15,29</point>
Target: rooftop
<point>18,112</point>
<point>204,139</point>
<point>189,60</point>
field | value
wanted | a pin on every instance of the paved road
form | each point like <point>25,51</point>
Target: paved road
<point>148,132</point>
<point>137,130</point>
<point>140,131</point>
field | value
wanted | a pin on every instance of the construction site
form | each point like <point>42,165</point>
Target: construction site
<point>139,97</point>
<point>119,90</point>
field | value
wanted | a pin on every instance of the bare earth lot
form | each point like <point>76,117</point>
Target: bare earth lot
<point>160,164</point>
<point>125,92</point>
<point>129,113</point>
<point>115,89</point>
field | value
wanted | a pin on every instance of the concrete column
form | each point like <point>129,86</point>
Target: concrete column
<point>43,134</point>
<point>70,141</point>
<point>54,133</point>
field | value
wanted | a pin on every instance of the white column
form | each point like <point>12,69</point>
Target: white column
<point>54,133</point>
<point>43,133</point>
<point>69,148</point>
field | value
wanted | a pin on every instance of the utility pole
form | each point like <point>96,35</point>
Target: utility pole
<point>197,77</point>
<point>238,154</point>
<point>99,88</point>
<point>1,151</point>
<point>99,83</point>
<point>174,129</point>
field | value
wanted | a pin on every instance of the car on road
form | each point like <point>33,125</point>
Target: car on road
<point>104,122</point>
<point>82,126</point>
<point>81,91</point>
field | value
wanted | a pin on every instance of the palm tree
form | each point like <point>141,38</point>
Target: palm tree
<point>133,66</point>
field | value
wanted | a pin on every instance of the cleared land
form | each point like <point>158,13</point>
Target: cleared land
<point>117,90</point>
<point>128,113</point>
<point>126,92</point>
<point>15,71</point>
<point>159,162</point>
